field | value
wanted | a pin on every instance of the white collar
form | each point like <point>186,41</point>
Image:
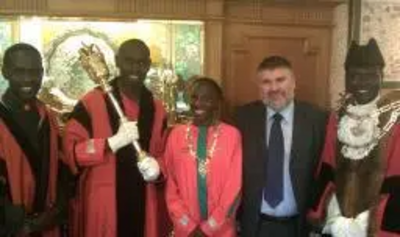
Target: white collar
<point>287,112</point>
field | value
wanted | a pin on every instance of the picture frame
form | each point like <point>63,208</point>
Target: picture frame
<point>379,19</point>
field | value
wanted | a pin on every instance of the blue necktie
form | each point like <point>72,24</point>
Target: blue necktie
<point>273,191</point>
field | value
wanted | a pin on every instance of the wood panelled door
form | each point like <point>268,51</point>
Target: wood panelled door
<point>308,49</point>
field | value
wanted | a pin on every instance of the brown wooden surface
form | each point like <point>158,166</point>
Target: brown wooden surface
<point>308,48</point>
<point>238,34</point>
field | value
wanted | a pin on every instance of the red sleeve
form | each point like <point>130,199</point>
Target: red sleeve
<point>80,149</point>
<point>230,197</point>
<point>324,176</point>
<point>158,138</point>
<point>388,208</point>
<point>178,212</point>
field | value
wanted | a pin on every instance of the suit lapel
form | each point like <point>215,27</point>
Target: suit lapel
<point>301,132</point>
<point>260,127</point>
<point>259,164</point>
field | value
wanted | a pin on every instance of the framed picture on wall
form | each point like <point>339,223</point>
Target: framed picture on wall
<point>380,19</point>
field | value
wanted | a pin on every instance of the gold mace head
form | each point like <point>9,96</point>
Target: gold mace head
<point>94,63</point>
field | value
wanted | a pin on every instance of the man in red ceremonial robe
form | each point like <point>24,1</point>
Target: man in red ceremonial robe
<point>30,204</point>
<point>359,175</point>
<point>204,166</point>
<point>116,196</point>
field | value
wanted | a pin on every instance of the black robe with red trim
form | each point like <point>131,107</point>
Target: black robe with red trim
<point>112,197</point>
<point>29,162</point>
<point>372,183</point>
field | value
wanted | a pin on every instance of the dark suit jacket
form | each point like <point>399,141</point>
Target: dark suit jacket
<point>308,135</point>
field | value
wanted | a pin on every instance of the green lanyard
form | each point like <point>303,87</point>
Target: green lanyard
<point>201,177</point>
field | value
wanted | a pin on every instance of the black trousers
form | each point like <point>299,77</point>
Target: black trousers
<point>277,227</point>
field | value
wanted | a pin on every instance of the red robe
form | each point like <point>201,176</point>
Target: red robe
<point>223,182</point>
<point>97,202</point>
<point>380,186</point>
<point>20,175</point>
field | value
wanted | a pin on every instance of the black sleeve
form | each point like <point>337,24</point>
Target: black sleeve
<point>11,216</point>
<point>3,195</point>
<point>238,123</point>
<point>58,214</point>
<point>322,122</point>
<point>237,118</point>
<point>66,186</point>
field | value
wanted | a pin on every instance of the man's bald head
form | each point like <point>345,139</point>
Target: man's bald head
<point>134,45</point>
<point>133,60</point>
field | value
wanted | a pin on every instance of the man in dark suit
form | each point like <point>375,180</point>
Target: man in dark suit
<point>282,141</point>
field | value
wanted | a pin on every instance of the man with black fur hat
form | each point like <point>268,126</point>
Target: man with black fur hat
<point>358,179</point>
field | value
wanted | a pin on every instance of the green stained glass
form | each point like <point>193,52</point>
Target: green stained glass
<point>5,41</point>
<point>176,47</point>
<point>188,50</point>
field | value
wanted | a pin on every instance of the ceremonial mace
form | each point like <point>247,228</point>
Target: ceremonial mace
<point>94,63</point>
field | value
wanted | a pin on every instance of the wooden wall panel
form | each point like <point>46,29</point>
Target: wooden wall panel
<point>238,34</point>
<point>213,61</point>
<point>178,7</point>
<point>241,11</point>
<point>23,6</point>
<point>159,9</point>
<point>238,81</point>
<point>307,49</point>
<point>319,12</point>
<point>84,7</point>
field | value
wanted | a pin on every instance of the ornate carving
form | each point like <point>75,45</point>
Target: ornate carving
<point>94,63</point>
<point>331,2</point>
<point>248,10</point>
<point>316,15</point>
<point>78,7</point>
<point>235,10</point>
<point>24,5</point>
<point>125,5</point>
<point>164,8</point>
<point>192,9</point>
<point>262,13</point>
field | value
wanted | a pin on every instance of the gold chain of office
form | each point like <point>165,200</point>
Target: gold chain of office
<point>202,164</point>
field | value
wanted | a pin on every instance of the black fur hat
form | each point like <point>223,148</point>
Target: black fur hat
<point>368,55</point>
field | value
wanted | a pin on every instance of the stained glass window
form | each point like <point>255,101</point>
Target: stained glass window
<point>174,45</point>
<point>6,39</point>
